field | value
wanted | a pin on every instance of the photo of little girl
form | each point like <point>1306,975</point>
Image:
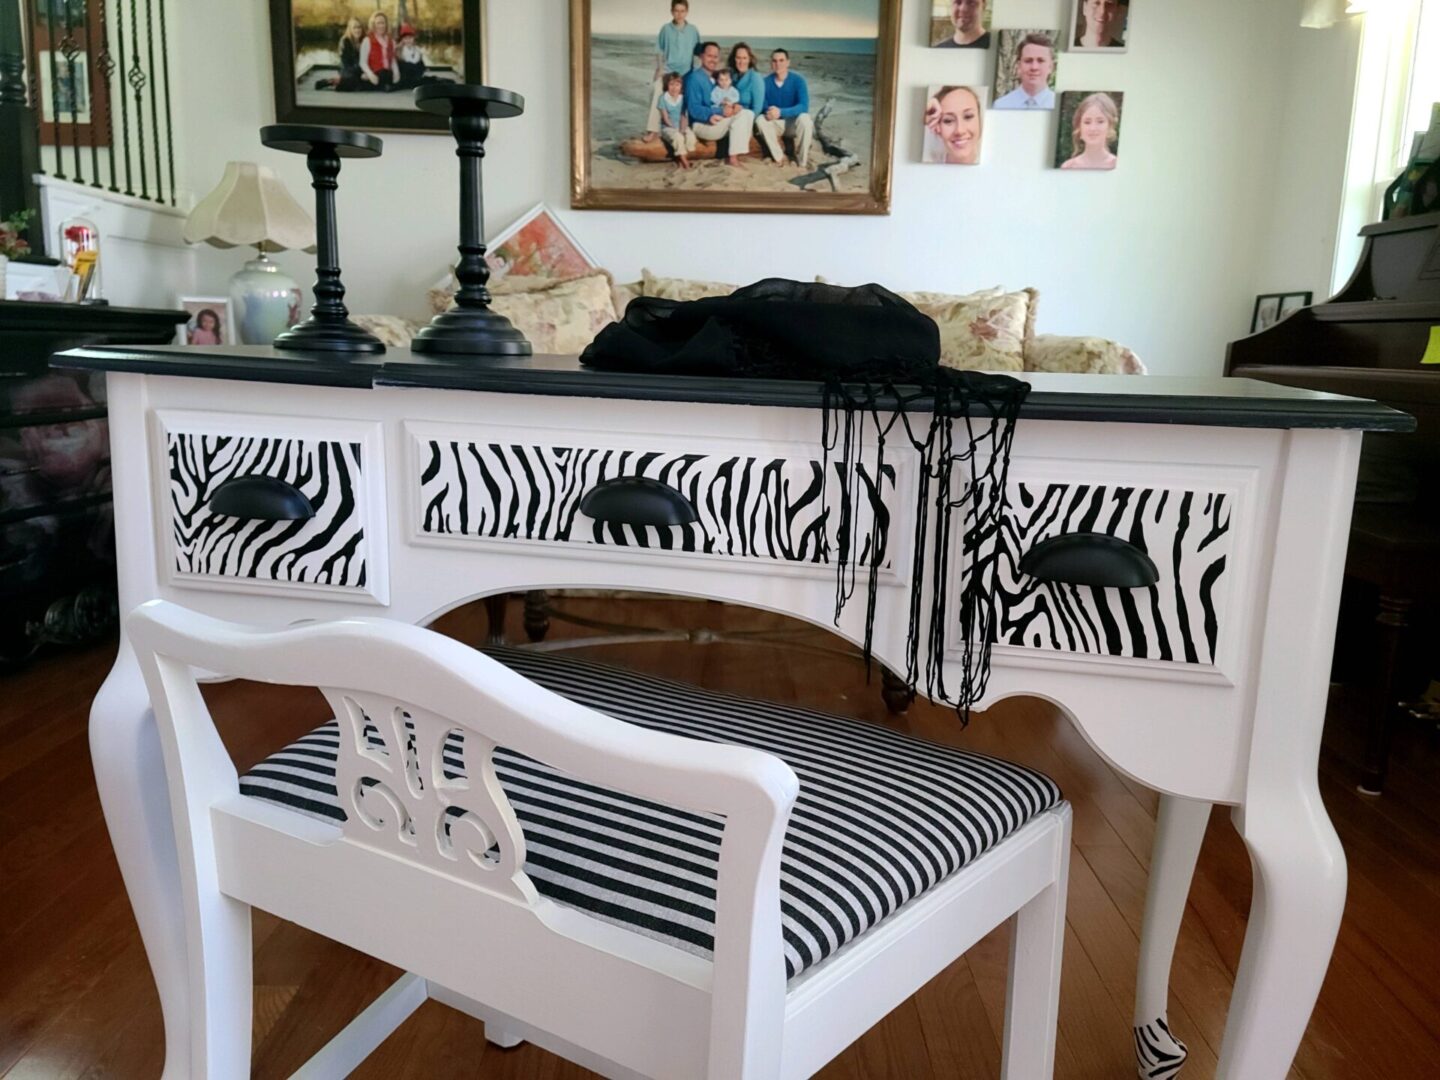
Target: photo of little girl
<point>209,320</point>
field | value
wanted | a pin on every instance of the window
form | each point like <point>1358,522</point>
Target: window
<point>1424,90</point>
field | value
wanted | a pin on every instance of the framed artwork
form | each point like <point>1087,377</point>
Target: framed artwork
<point>1088,136</point>
<point>1025,70</point>
<point>356,63</point>
<point>1270,308</point>
<point>1099,25</point>
<point>209,322</point>
<point>960,24</point>
<point>954,121</point>
<point>64,55</point>
<point>770,106</point>
<point>537,245</point>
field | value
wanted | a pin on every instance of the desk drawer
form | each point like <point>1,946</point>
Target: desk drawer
<point>1180,619</point>
<point>260,503</point>
<point>752,506</point>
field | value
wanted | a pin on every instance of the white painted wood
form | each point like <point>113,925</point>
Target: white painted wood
<point>1032,999</point>
<point>1179,833</point>
<point>1243,732</point>
<point>358,1039</point>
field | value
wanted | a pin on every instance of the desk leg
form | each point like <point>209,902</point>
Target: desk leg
<point>1179,831</point>
<point>130,776</point>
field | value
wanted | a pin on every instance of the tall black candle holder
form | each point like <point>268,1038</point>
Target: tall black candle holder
<point>470,328</point>
<point>329,328</point>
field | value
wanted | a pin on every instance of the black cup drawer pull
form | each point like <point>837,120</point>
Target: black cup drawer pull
<point>637,500</point>
<point>260,498</point>
<point>1105,562</point>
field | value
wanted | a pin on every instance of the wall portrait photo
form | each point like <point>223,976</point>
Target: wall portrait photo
<point>1025,70</point>
<point>954,121</point>
<point>1089,130</point>
<point>960,24</point>
<point>734,105</point>
<point>1099,25</point>
<point>356,63</point>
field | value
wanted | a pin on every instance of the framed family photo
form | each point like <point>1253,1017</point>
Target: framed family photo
<point>1099,25</point>
<point>960,24</point>
<point>733,105</point>
<point>356,63</point>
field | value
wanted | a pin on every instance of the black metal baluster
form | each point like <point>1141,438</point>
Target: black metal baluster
<point>136,78</point>
<point>124,108</point>
<point>54,89</point>
<point>154,106</point>
<point>12,64</point>
<point>70,48</point>
<point>90,67</point>
<point>105,64</point>
<point>169,117</point>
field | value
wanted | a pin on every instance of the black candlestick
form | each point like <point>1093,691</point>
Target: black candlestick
<point>329,328</point>
<point>470,328</point>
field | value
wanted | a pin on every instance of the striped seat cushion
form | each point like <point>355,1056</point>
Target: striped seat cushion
<point>881,817</point>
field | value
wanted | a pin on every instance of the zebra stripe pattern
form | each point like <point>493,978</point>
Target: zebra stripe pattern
<point>1186,533</point>
<point>328,549</point>
<point>1158,1054</point>
<point>768,508</point>
<point>881,817</point>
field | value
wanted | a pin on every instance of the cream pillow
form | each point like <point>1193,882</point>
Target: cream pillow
<point>1089,355</point>
<point>621,295</point>
<point>557,315</point>
<point>392,330</point>
<point>681,288</point>
<point>982,331</point>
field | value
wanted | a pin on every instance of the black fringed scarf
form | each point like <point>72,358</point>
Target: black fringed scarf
<point>878,358</point>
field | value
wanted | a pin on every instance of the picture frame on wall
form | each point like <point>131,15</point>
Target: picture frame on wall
<point>809,106</point>
<point>954,120</point>
<point>1101,26</point>
<point>209,323</point>
<point>537,245</point>
<point>64,55</point>
<point>352,64</point>
<point>960,24</point>
<point>1271,308</point>
<point>1088,135</point>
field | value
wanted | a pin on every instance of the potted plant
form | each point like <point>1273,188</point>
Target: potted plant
<point>12,243</point>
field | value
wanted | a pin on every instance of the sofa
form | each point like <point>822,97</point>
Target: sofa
<point>989,330</point>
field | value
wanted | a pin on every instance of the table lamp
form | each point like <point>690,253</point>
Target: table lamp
<point>251,206</point>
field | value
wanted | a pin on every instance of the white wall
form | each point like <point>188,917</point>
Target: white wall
<point>1161,254</point>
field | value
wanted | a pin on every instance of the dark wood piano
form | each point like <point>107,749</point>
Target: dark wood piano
<point>1368,341</point>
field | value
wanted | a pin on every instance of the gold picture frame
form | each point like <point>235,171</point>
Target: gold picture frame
<point>830,185</point>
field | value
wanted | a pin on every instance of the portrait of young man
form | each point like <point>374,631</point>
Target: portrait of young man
<point>1025,70</point>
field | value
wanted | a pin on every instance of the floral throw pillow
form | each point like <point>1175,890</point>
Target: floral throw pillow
<point>393,331</point>
<point>982,331</point>
<point>1087,355</point>
<point>557,315</point>
<point>681,288</point>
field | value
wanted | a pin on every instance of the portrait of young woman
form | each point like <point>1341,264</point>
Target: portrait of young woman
<point>954,125</point>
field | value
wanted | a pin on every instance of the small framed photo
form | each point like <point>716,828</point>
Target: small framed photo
<point>1088,136</point>
<point>537,245</point>
<point>960,24</point>
<point>1099,25</point>
<point>1025,70</point>
<point>209,322</point>
<point>1271,308</point>
<point>954,125</point>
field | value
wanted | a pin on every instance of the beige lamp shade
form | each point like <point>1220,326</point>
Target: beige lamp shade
<point>250,206</point>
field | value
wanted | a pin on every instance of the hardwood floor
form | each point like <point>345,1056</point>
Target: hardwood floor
<point>76,999</point>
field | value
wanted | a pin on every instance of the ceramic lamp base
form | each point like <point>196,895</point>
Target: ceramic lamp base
<point>264,302</point>
<point>471,332</point>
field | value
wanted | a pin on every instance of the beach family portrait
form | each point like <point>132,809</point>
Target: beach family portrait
<point>356,63</point>
<point>734,104</point>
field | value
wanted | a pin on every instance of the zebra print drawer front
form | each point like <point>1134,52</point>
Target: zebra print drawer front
<point>1179,619</point>
<point>762,507</point>
<point>333,551</point>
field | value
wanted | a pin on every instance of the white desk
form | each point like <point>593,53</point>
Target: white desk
<point>434,484</point>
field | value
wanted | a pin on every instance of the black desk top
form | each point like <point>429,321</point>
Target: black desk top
<point>1141,399</point>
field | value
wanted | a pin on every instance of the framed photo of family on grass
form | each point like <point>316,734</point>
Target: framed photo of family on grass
<point>356,63</point>
<point>733,105</point>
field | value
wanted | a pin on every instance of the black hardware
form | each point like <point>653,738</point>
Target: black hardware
<point>1095,559</point>
<point>329,328</point>
<point>637,500</point>
<point>260,498</point>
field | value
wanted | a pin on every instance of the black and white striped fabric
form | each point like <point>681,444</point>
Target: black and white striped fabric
<point>327,549</point>
<point>747,507</point>
<point>881,817</point>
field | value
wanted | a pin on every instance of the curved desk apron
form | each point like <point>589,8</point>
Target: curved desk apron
<point>403,486</point>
